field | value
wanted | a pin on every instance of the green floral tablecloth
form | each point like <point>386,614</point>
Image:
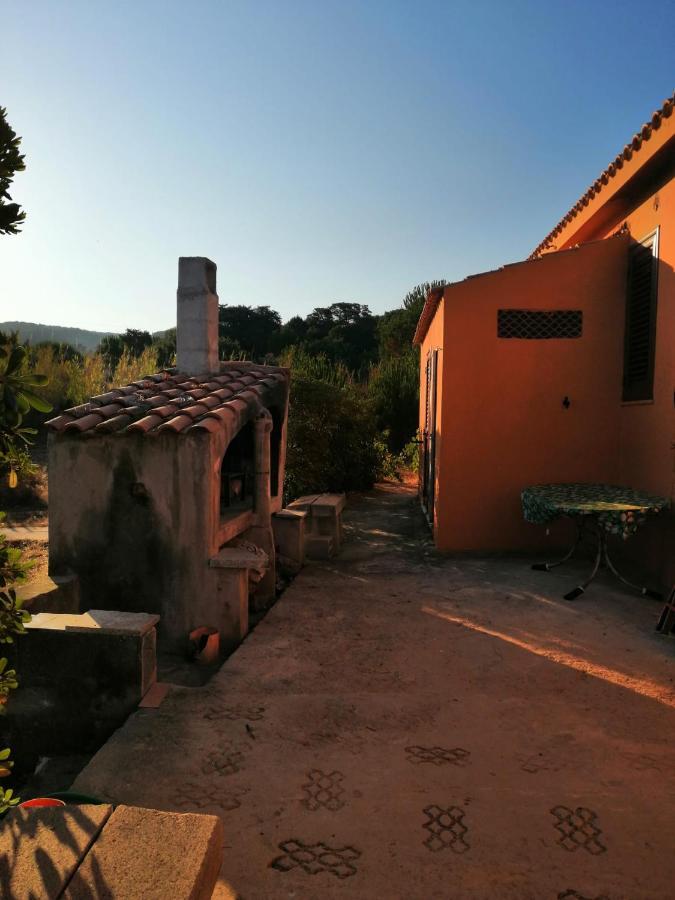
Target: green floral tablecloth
<point>619,510</point>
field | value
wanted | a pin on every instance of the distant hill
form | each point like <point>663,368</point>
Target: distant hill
<point>34,333</point>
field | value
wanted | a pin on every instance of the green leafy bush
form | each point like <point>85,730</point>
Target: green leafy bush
<point>16,400</point>
<point>332,434</point>
<point>394,389</point>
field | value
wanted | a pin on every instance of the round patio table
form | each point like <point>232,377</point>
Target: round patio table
<point>602,508</point>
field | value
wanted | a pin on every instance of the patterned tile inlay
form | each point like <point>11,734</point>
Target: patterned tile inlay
<point>193,796</point>
<point>225,761</point>
<point>438,756</point>
<point>324,789</point>
<point>315,858</point>
<point>233,713</point>
<point>570,894</point>
<point>578,828</point>
<point>446,829</point>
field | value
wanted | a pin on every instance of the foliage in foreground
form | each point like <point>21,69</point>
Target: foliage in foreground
<point>16,400</point>
<point>13,618</point>
<point>11,161</point>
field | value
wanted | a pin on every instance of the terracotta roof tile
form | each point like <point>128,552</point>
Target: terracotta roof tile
<point>147,423</point>
<point>84,422</point>
<point>174,402</point>
<point>626,154</point>
<point>115,424</point>
<point>177,423</point>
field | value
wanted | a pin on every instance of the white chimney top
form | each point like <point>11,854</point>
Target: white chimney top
<point>197,317</point>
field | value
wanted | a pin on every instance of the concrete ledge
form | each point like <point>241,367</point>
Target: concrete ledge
<point>103,621</point>
<point>233,524</point>
<point>40,849</point>
<point>81,676</point>
<point>240,558</point>
<point>51,593</point>
<point>145,854</point>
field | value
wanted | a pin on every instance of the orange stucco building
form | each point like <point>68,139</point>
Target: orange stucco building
<point>560,368</point>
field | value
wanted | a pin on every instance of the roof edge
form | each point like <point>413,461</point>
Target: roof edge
<point>638,140</point>
<point>431,304</point>
<point>435,296</point>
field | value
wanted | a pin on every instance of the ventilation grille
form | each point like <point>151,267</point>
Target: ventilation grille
<point>537,324</point>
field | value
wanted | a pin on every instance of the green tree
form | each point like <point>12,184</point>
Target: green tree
<point>252,328</point>
<point>11,162</point>
<point>17,398</point>
<point>332,436</point>
<point>396,328</point>
<point>112,347</point>
<point>343,332</point>
<point>165,345</point>
<point>136,341</point>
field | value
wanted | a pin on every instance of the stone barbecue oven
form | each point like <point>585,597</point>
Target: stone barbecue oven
<point>162,491</point>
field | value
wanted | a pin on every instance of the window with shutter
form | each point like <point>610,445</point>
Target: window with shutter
<point>638,365</point>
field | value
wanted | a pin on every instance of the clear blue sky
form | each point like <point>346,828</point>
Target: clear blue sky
<point>316,151</point>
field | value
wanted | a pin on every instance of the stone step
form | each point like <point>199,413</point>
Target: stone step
<point>146,854</point>
<point>131,853</point>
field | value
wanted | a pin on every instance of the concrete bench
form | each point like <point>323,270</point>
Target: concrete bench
<point>80,852</point>
<point>324,523</point>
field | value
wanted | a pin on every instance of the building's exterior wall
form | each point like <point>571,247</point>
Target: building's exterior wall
<point>504,423</point>
<point>433,340</point>
<point>647,428</point>
<point>505,395</point>
<point>647,431</point>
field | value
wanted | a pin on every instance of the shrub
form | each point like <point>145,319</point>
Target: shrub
<point>332,434</point>
<point>394,389</point>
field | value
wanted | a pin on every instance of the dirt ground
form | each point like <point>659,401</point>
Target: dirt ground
<point>403,725</point>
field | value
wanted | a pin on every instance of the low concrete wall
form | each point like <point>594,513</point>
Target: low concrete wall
<point>80,676</point>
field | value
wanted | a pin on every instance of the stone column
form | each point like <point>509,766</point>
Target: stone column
<point>260,532</point>
<point>197,317</point>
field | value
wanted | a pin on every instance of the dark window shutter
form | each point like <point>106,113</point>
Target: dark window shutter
<point>638,369</point>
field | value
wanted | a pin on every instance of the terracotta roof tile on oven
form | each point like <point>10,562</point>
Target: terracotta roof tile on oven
<point>171,401</point>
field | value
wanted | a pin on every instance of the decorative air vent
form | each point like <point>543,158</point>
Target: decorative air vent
<point>539,324</point>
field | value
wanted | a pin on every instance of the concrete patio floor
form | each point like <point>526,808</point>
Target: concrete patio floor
<point>403,725</point>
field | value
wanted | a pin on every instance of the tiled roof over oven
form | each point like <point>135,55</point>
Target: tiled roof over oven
<point>173,402</point>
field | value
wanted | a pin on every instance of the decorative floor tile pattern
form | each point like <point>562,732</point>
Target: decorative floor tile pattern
<point>193,796</point>
<point>446,829</point>
<point>315,858</point>
<point>233,713</point>
<point>570,894</point>
<point>578,829</point>
<point>438,756</point>
<point>534,764</point>
<point>225,761</point>
<point>324,790</point>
